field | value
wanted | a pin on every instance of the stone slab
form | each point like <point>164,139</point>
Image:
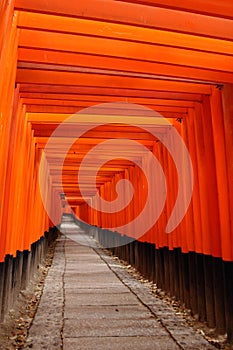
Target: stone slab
<point>107,312</point>
<point>120,343</point>
<point>113,328</point>
<point>75,299</point>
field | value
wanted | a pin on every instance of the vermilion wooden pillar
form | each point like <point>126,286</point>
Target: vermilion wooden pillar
<point>186,227</point>
<point>202,179</point>
<point>213,201</point>
<point>29,196</point>
<point>222,167</point>
<point>194,226</point>
<point>8,213</point>
<point>16,186</point>
<point>8,59</point>
<point>160,224</point>
<point>227,100</point>
<point>196,229</point>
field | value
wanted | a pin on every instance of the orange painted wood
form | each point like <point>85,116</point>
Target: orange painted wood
<point>104,99</point>
<point>68,111</point>
<point>123,49</point>
<point>72,110</point>
<point>203,240</point>
<point>119,12</point>
<point>15,186</point>
<point>83,104</point>
<point>227,93</point>
<point>172,188</point>
<point>80,63</point>
<point>156,230</point>
<point>208,7</point>
<point>213,202</point>
<point>221,173</point>
<point>168,171</point>
<point>82,54</point>
<point>84,79</point>
<point>76,62</point>
<point>40,131</point>
<point>138,34</point>
<point>162,240</point>
<point>15,148</point>
<point>29,195</point>
<point>186,230</point>
<point>20,214</point>
<point>107,91</point>
<point>8,57</point>
<point>6,12</point>
<point>195,226</point>
<point>8,213</point>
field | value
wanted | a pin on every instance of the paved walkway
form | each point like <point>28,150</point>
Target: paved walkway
<point>92,302</point>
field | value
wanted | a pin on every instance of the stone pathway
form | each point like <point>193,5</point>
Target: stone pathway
<point>91,302</point>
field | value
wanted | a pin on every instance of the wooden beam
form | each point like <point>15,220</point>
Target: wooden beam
<point>98,179</point>
<point>85,104</point>
<point>73,110</point>
<point>82,144</point>
<point>108,91</point>
<point>84,79</point>
<point>45,131</point>
<point>38,21</point>
<point>125,49</point>
<point>207,7</point>
<point>76,62</point>
<point>105,99</point>
<point>117,120</point>
<point>133,14</point>
<point>72,164</point>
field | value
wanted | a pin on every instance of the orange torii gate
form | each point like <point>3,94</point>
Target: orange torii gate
<point>58,58</point>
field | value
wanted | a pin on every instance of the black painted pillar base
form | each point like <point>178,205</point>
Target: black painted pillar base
<point>16,273</point>
<point>203,283</point>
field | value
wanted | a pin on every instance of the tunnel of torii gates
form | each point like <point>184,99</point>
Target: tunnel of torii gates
<point>143,63</point>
